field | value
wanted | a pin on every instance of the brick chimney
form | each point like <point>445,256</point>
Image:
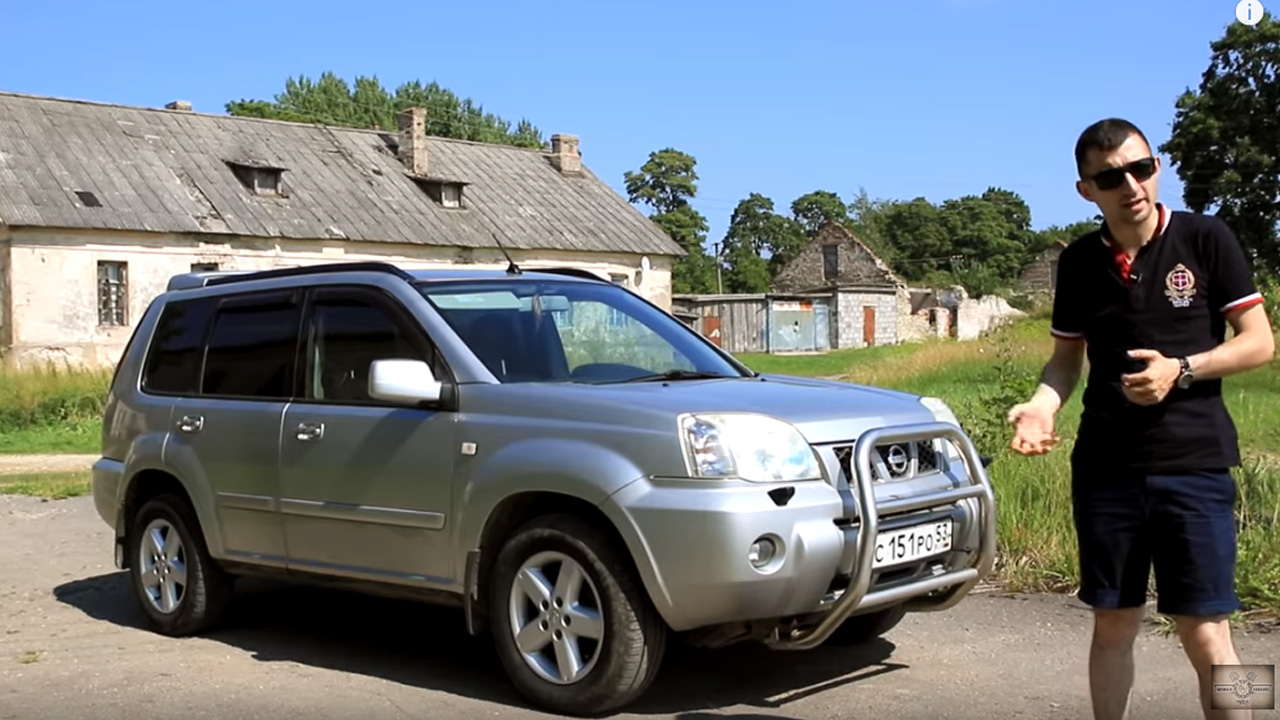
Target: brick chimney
<point>413,139</point>
<point>183,105</point>
<point>564,154</point>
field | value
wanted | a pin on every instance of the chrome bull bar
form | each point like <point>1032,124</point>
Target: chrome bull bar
<point>959,581</point>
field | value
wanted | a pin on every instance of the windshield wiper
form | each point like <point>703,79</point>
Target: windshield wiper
<point>679,375</point>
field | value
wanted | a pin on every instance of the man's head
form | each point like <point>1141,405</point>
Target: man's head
<point>1118,171</point>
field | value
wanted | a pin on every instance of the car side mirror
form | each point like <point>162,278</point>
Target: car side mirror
<point>407,382</point>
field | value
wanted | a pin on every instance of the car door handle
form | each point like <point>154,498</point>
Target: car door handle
<point>310,431</point>
<point>191,423</point>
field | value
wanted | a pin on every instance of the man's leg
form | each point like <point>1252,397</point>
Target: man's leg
<point>1195,570</point>
<point>1115,563</point>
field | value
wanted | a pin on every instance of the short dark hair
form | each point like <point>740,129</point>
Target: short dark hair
<point>1104,136</point>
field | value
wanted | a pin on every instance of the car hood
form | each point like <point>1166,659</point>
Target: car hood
<point>824,411</point>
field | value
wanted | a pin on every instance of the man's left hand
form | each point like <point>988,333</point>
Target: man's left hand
<point>1153,384</point>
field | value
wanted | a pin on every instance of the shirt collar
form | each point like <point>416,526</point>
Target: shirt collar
<point>1163,225</point>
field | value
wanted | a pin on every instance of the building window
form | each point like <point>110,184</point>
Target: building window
<point>204,267</point>
<point>446,193</point>
<point>451,195</point>
<point>830,262</point>
<point>113,293</point>
<point>259,180</point>
<point>617,318</point>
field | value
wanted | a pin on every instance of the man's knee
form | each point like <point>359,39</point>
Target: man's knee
<point>1206,637</point>
<point>1117,628</point>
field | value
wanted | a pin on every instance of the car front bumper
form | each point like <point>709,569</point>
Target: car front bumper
<point>692,543</point>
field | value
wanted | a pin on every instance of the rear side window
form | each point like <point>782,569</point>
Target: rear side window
<point>252,347</point>
<point>173,363</point>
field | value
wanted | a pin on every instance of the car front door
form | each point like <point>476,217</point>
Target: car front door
<point>226,434</point>
<point>366,486</point>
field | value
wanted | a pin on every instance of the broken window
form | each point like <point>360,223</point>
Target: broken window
<point>113,293</point>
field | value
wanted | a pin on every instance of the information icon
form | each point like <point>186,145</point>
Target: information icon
<point>1249,12</point>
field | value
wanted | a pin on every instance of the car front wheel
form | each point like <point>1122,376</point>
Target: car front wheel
<point>180,588</point>
<point>571,624</point>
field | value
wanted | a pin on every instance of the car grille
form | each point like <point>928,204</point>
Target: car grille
<point>895,461</point>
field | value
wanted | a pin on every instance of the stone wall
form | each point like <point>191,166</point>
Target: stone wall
<point>850,315</point>
<point>1039,278</point>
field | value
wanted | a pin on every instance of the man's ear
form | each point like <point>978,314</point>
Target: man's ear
<point>1082,187</point>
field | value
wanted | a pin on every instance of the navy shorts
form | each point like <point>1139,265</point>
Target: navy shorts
<point>1183,525</point>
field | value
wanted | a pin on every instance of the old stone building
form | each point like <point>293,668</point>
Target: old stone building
<point>1039,278</point>
<point>101,204</point>
<point>867,300</point>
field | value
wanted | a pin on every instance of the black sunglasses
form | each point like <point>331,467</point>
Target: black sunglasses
<point>1112,178</point>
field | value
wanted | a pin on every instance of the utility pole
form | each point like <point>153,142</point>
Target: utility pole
<point>719,247</point>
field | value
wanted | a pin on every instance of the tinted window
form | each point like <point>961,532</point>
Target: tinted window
<point>173,364</point>
<point>351,329</point>
<point>252,347</point>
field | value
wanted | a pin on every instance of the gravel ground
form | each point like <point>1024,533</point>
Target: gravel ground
<point>72,646</point>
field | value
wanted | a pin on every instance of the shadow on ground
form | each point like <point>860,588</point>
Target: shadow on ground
<point>428,647</point>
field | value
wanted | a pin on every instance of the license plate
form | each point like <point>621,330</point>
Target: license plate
<point>904,545</point>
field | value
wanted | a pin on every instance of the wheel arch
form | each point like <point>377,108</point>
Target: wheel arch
<point>507,517</point>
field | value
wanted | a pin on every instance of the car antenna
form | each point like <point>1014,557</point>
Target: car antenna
<point>512,268</point>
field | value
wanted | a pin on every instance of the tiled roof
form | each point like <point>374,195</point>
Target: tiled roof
<point>171,171</point>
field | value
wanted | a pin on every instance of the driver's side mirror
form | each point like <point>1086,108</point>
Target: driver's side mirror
<point>407,382</point>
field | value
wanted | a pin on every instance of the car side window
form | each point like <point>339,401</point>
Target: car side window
<point>349,329</point>
<point>252,346</point>
<point>173,362</point>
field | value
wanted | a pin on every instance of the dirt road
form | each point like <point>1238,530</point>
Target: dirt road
<point>22,464</point>
<point>71,647</point>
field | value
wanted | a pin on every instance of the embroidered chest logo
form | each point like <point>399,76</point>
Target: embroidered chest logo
<point>1180,286</point>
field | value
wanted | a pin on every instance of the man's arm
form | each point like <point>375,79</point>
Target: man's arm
<point>1233,293</point>
<point>1060,375</point>
<point>1252,345</point>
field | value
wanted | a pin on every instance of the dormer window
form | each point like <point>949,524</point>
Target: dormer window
<point>448,193</point>
<point>259,179</point>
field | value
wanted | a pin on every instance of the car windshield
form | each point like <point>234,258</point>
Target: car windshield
<point>564,331</point>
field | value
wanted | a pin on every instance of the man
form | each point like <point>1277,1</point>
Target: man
<point>1148,296</point>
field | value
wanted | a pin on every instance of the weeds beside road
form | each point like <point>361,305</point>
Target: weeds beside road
<point>57,411</point>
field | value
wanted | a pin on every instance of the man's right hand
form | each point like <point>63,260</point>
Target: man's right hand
<point>1033,428</point>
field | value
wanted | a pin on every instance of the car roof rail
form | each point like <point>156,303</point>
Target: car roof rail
<point>568,271</point>
<point>317,269</point>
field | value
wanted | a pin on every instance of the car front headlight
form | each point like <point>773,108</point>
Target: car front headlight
<point>943,413</point>
<point>753,447</point>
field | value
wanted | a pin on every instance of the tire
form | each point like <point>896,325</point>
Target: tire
<point>202,599</point>
<point>861,629</point>
<point>616,670</point>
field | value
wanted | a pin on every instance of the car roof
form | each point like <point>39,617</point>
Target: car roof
<point>194,280</point>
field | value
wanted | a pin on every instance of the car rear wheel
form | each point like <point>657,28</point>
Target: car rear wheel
<point>864,628</point>
<point>180,588</point>
<point>572,625</point>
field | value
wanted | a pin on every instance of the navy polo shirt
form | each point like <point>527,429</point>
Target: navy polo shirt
<point>1172,298</point>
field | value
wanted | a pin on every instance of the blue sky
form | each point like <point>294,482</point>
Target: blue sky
<point>932,98</point>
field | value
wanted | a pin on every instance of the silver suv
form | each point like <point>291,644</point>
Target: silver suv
<point>585,476</point>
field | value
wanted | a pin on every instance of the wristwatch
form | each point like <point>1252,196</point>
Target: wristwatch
<point>1186,377</point>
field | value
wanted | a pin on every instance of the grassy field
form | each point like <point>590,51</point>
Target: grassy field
<point>58,412</point>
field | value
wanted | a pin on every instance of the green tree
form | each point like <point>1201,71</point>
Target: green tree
<point>1225,141</point>
<point>815,209</point>
<point>329,100</point>
<point>666,182</point>
<point>757,244</point>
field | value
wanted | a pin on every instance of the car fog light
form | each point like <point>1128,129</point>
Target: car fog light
<point>761,552</point>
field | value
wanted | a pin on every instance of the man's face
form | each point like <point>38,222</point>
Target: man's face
<point>1123,182</point>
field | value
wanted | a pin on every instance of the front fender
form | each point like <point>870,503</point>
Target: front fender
<point>576,468</point>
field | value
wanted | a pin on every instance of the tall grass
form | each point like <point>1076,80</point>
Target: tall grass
<point>51,408</point>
